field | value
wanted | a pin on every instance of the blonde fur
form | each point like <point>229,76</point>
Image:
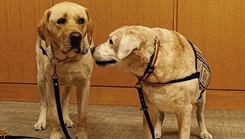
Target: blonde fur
<point>176,60</point>
<point>75,71</point>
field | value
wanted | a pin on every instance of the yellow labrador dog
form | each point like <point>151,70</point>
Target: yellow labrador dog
<point>65,35</point>
<point>172,85</point>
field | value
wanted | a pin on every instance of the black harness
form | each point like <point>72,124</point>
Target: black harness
<point>203,68</point>
<point>150,68</point>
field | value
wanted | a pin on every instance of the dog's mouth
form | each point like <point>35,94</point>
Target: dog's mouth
<point>71,46</point>
<point>106,63</point>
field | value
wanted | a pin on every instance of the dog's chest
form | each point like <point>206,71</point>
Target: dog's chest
<point>71,73</point>
<point>70,78</point>
<point>159,97</point>
<point>170,98</point>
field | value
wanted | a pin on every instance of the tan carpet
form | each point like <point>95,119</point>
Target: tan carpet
<point>119,122</point>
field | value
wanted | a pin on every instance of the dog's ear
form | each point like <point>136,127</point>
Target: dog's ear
<point>90,28</point>
<point>43,28</point>
<point>127,45</point>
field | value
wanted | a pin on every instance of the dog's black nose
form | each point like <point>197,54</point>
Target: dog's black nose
<point>75,38</point>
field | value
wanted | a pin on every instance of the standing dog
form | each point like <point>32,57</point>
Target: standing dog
<point>174,59</point>
<point>65,35</point>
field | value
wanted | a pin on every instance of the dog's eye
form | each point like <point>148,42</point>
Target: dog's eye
<point>61,21</point>
<point>110,41</point>
<point>81,20</point>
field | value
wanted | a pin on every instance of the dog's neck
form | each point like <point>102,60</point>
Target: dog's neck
<point>142,62</point>
<point>134,65</point>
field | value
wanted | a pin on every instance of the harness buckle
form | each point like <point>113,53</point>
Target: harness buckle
<point>143,109</point>
<point>138,85</point>
<point>54,76</point>
<point>151,69</point>
<point>157,41</point>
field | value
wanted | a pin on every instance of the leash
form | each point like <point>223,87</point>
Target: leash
<point>57,98</point>
<point>138,86</point>
<point>4,135</point>
<point>144,108</point>
<point>54,62</point>
<point>16,137</point>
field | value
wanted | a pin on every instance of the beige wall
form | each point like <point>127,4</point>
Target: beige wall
<point>216,27</point>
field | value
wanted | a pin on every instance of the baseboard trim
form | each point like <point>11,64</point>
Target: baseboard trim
<point>126,96</point>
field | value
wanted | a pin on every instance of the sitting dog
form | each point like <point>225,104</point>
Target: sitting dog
<point>171,70</point>
<point>65,35</point>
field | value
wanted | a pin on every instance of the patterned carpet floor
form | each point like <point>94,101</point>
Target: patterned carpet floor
<point>118,122</point>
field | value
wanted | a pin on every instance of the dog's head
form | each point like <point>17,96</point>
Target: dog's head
<point>124,44</point>
<point>65,25</point>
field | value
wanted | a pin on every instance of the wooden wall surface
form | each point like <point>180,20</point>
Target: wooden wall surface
<point>17,39</point>
<point>216,27</point>
<point>112,14</point>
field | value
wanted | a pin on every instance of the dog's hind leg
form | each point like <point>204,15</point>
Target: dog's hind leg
<point>200,117</point>
<point>65,106</point>
<point>41,124</point>
<point>158,126</point>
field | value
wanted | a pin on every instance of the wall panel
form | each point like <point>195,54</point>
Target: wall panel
<point>216,99</point>
<point>18,37</point>
<point>112,14</point>
<point>217,28</point>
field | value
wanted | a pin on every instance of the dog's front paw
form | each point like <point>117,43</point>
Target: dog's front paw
<point>158,131</point>
<point>69,123</point>
<point>39,126</point>
<point>82,134</point>
<point>158,135</point>
<point>205,135</point>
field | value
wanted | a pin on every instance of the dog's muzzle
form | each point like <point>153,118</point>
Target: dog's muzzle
<point>99,62</point>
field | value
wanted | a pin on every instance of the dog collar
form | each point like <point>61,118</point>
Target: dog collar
<point>54,60</point>
<point>150,68</point>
